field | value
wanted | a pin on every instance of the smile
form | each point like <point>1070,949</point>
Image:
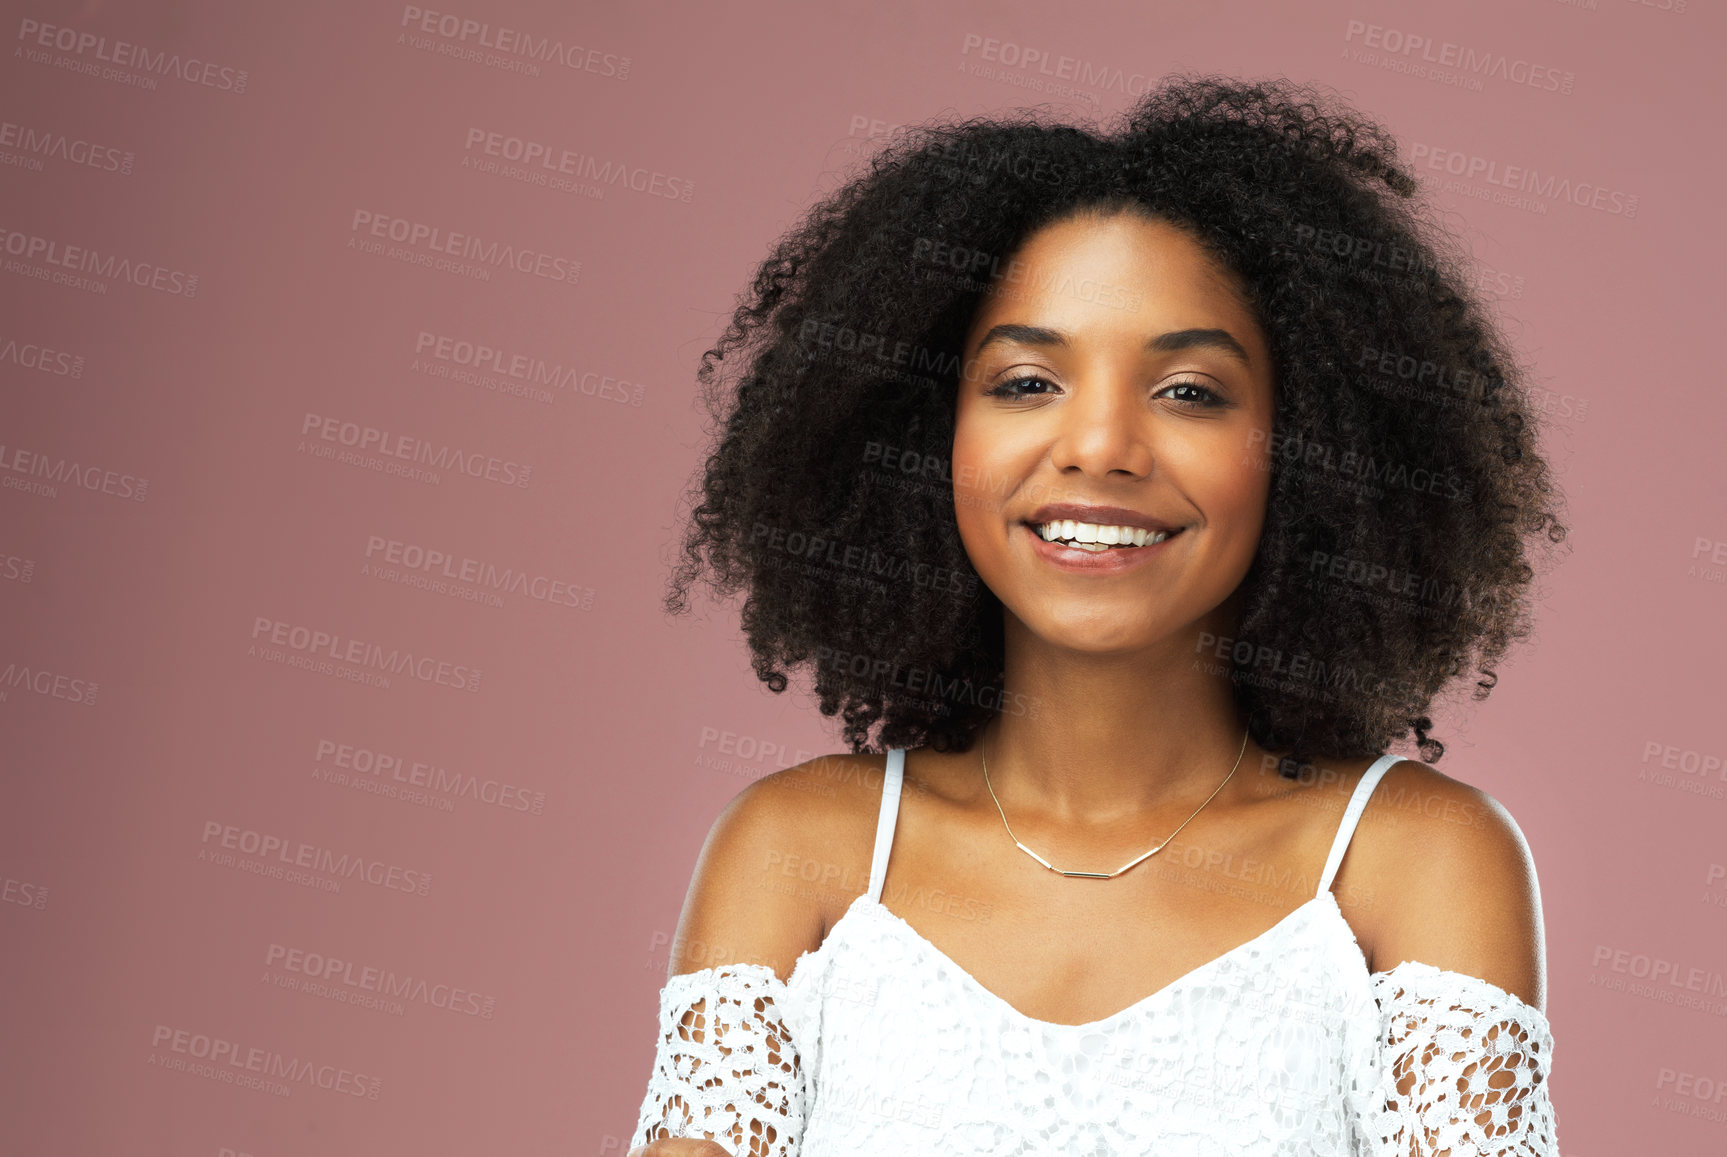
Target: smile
<point>1065,546</point>
<point>1092,536</point>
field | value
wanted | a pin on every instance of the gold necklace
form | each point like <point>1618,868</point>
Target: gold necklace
<point>1126,866</point>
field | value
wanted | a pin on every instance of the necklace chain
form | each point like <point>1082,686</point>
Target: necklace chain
<point>1130,863</point>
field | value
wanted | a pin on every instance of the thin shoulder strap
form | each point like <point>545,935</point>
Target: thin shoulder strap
<point>885,821</point>
<point>1351,815</point>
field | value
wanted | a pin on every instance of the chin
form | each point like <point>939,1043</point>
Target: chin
<point>1090,635</point>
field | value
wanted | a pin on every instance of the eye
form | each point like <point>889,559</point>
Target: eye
<point>1194,395</point>
<point>1010,387</point>
<point>1197,395</point>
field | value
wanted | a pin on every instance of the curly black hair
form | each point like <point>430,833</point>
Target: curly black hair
<point>1406,486</point>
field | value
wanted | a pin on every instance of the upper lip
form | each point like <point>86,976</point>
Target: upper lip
<point>1098,515</point>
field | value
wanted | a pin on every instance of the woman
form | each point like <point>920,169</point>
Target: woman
<point>1138,490</point>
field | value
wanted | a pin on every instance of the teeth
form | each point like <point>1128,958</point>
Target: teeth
<point>1094,536</point>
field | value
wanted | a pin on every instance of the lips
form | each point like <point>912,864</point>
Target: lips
<point>1074,535</point>
<point>1109,561</point>
<point>1100,515</point>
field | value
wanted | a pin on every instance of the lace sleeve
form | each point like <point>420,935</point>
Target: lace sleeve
<point>1463,1069</point>
<point>725,1067</point>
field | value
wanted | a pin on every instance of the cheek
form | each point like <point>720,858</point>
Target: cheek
<point>991,463</point>
<point>975,445</point>
<point>1239,478</point>
<point>977,494</point>
<point>1227,478</point>
<point>1241,483</point>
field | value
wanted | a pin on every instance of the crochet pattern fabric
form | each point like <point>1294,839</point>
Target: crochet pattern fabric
<point>879,1043</point>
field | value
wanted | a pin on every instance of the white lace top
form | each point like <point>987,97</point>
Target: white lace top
<point>879,1045</point>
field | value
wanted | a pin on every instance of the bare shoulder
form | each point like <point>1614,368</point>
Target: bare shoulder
<point>1454,882</point>
<point>783,858</point>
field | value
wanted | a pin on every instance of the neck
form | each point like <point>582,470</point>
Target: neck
<point>1109,739</point>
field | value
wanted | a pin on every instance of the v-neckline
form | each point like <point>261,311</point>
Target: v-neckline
<point>967,979</point>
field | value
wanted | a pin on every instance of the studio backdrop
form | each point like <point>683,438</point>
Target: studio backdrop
<point>351,773</point>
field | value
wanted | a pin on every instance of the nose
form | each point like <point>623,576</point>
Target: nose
<point>1103,428</point>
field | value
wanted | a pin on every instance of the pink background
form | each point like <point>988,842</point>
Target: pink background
<point>154,725</point>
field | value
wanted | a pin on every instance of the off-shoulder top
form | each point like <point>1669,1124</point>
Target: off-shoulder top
<point>879,1045</point>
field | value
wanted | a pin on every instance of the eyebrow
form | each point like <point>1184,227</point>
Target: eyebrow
<point>1182,339</point>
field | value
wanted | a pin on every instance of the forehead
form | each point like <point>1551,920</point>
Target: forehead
<point>1121,272</point>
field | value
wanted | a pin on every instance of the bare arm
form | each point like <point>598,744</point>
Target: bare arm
<point>1459,961</point>
<point>733,912</point>
<point>679,1147</point>
<point>728,1080</point>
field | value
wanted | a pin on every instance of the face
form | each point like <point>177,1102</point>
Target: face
<point>1113,366</point>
